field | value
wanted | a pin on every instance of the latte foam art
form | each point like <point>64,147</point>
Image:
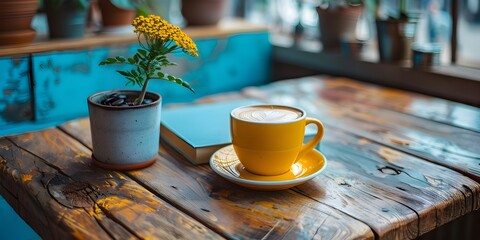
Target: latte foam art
<point>267,114</point>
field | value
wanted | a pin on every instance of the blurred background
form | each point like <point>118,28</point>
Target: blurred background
<point>50,49</point>
<point>451,26</point>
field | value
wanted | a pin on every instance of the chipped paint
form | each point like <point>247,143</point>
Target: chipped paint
<point>82,155</point>
<point>389,155</point>
<point>15,100</point>
<point>26,177</point>
<point>342,182</point>
<point>397,140</point>
<point>436,182</point>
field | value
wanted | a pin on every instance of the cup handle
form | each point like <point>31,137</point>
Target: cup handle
<point>315,140</point>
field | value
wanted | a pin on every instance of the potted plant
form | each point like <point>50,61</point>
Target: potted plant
<point>396,30</point>
<point>125,125</point>
<point>66,18</point>
<point>338,21</point>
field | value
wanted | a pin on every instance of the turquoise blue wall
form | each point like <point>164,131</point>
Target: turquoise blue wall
<point>12,226</point>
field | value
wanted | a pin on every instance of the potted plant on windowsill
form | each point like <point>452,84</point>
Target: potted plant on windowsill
<point>396,31</point>
<point>67,18</point>
<point>125,125</point>
<point>338,21</point>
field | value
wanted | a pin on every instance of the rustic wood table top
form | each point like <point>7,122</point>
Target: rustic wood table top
<point>400,164</point>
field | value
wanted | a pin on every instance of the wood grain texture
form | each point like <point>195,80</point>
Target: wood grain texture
<point>447,145</point>
<point>83,200</point>
<point>436,109</point>
<point>361,180</point>
<point>362,169</point>
<point>397,195</point>
<point>235,211</point>
<point>32,201</point>
<point>344,90</point>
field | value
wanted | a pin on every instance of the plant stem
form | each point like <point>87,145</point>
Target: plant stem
<point>143,92</point>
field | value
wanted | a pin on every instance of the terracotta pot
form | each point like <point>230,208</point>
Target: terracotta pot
<point>337,24</point>
<point>17,14</point>
<point>15,20</point>
<point>114,17</point>
<point>203,12</point>
<point>17,37</point>
<point>125,138</point>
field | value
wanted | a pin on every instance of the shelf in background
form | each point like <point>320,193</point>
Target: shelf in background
<point>225,28</point>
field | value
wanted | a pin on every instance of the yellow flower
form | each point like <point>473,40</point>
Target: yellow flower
<point>154,28</point>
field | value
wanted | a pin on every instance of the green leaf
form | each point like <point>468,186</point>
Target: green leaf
<point>142,52</point>
<point>120,59</point>
<point>180,82</point>
<point>131,61</point>
<point>160,75</point>
<point>108,61</point>
<point>140,81</point>
<point>123,73</point>
<point>187,85</point>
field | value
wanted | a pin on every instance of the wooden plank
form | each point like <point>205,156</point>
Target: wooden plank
<point>437,195</point>
<point>344,90</point>
<point>436,109</point>
<point>23,179</point>
<point>450,146</point>
<point>235,211</point>
<point>94,203</point>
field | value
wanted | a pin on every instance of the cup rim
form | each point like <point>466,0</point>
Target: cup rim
<point>304,114</point>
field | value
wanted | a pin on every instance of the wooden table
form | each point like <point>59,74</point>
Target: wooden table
<point>400,165</point>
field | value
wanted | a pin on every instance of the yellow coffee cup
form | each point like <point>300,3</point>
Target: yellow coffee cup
<point>268,139</point>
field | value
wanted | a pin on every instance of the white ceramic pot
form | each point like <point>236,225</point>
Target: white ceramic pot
<point>125,137</point>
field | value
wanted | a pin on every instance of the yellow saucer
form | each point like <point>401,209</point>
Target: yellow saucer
<point>225,162</point>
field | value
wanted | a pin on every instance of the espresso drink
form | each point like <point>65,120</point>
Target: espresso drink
<point>267,114</point>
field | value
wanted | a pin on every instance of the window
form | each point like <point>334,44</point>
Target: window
<point>468,47</point>
<point>439,19</point>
